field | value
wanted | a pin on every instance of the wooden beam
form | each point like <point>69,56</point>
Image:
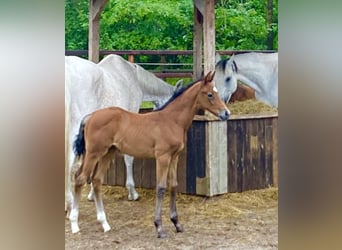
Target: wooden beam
<point>95,9</point>
<point>197,43</point>
<point>209,35</point>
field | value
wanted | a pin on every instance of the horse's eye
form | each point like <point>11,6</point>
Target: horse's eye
<point>228,79</point>
<point>210,96</point>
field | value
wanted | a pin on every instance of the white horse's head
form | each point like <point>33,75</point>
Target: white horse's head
<point>225,79</point>
<point>157,103</point>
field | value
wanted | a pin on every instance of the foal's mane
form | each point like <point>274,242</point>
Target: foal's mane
<point>177,93</point>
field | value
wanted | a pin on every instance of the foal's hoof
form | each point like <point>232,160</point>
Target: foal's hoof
<point>179,228</point>
<point>161,235</point>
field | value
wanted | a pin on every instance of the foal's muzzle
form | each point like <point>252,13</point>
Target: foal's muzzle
<point>224,114</point>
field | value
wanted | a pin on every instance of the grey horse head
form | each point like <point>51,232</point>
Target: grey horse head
<point>225,80</point>
<point>158,103</point>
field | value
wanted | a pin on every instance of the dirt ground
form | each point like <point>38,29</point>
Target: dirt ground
<point>247,220</point>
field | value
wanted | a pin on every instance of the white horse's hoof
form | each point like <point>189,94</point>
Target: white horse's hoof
<point>90,196</point>
<point>75,229</point>
<point>106,227</point>
<point>133,197</point>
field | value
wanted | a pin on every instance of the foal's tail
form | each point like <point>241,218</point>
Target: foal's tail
<point>79,143</point>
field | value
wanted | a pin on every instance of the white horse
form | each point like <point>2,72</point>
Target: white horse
<point>257,70</point>
<point>112,82</point>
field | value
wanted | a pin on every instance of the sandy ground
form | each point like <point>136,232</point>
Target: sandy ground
<point>247,220</point>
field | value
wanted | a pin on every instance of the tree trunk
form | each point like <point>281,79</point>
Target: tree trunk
<point>270,35</point>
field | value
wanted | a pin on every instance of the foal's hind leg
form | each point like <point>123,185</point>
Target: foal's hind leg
<point>97,182</point>
<point>81,177</point>
<point>174,184</point>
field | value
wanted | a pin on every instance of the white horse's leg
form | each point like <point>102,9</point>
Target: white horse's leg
<point>73,217</point>
<point>132,193</point>
<point>69,192</point>
<point>91,194</point>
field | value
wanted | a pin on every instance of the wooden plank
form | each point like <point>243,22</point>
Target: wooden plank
<point>120,171</point>
<point>151,163</point>
<point>173,74</point>
<point>195,157</point>
<point>234,117</point>
<point>110,174</point>
<point>239,155</point>
<point>137,172</point>
<point>159,52</point>
<point>253,153</point>
<point>216,157</point>
<point>232,161</point>
<point>247,168</point>
<point>269,150</point>
<point>275,152</point>
<point>260,159</point>
<point>146,172</point>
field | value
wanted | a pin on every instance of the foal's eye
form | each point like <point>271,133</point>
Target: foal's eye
<point>210,96</point>
<point>228,79</point>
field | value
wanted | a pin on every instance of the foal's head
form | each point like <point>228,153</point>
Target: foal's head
<point>209,99</point>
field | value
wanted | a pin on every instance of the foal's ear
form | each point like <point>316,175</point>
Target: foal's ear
<point>209,77</point>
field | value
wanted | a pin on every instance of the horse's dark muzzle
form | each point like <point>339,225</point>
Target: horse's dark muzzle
<point>224,115</point>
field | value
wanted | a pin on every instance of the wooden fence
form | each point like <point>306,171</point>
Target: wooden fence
<point>244,158</point>
<point>163,63</point>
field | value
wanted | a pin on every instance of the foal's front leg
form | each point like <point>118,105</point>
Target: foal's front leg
<point>174,185</point>
<point>162,171</point>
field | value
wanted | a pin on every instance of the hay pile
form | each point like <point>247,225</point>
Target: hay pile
<point>230,205</point>
<point>250,107</point>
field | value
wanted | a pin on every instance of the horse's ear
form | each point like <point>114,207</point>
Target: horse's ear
<point>209,77</point>
<point>234,67</point>
<point>178,85</point>
<point>233,63</point>
<point>217,58</point>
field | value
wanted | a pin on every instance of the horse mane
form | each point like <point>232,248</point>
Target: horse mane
<point>177,93</point>
<point>222,64</point>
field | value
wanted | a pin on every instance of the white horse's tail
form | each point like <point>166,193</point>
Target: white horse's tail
<point>79,143</point>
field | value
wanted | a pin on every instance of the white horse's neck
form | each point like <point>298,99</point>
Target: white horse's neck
<point>152,87</point>
<point>257,70</point>
<point>137,79</point>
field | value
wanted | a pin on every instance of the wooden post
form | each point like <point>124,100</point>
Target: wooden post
<point>209,36</point>
<point>215,181</point>
<point>131,58</point>
<point>95,8</point>
<point>197,42</point>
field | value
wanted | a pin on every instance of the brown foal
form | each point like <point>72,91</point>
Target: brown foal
<point>160,134</point>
